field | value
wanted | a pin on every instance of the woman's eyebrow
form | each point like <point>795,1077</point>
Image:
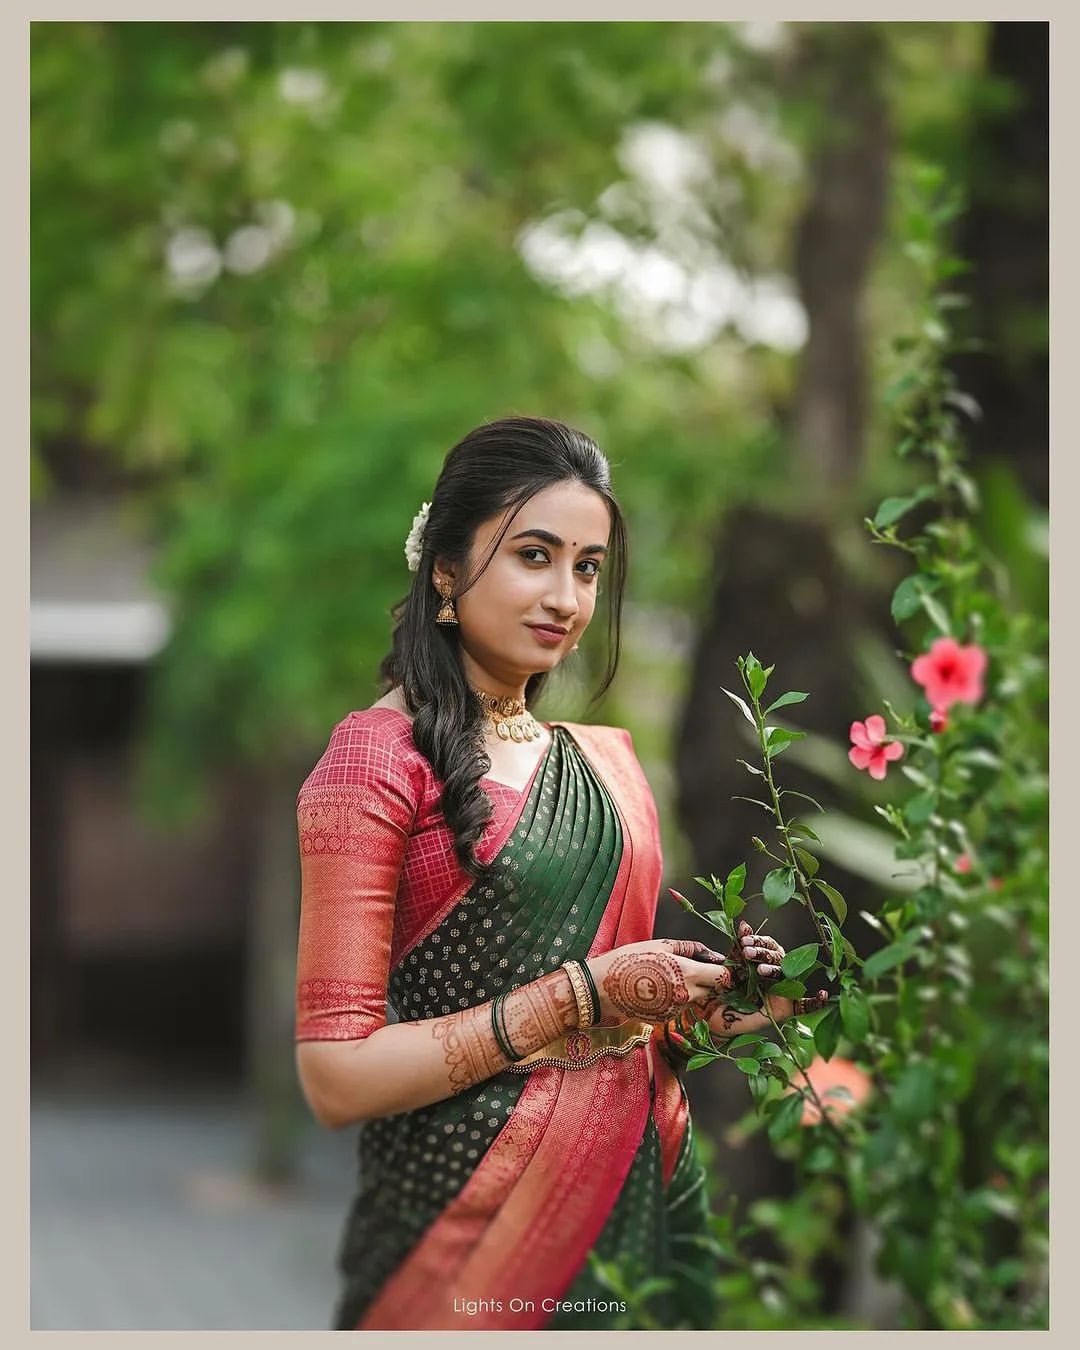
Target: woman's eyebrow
<point>554,540</point>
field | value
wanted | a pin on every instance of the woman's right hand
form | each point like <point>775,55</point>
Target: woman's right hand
<point>655,980</point>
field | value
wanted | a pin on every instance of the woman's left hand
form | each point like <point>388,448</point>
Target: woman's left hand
<point>760,949</point>
<point>766,953</point>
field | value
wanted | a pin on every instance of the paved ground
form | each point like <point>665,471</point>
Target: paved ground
<point>142,1217</point>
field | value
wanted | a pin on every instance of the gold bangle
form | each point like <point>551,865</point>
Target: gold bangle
<point>581,993</point>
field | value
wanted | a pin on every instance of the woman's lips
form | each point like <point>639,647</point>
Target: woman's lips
<point>550,637</point>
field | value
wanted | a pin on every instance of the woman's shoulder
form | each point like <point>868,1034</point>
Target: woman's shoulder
<point>371,745</point>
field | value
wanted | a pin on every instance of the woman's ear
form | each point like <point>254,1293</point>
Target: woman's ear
<point>442,572</point>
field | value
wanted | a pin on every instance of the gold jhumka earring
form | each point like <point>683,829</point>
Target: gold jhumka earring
<point>447,614</point>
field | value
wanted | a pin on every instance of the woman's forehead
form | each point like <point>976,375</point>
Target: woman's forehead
<point>564,509</point>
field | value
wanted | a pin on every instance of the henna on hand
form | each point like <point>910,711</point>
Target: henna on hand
<point>533,1015</point>
<point>758,947</point>
<point>537,1013</point>
<point>648,985</point>
<point>698,951</point>
<point>470,1049</point>
<point>812,1003</point>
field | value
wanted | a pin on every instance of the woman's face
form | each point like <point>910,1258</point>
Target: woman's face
<point>543,572</point>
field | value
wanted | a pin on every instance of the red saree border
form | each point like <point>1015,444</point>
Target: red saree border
<point>522,1226</point>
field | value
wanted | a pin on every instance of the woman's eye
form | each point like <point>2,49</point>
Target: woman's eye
<point>526,553</point>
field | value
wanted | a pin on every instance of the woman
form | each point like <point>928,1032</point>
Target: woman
<point>495,878</point>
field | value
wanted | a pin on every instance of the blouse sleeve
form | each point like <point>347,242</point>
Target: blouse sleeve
<point>355,812</point>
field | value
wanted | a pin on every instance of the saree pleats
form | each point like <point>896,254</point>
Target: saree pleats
<point>500,1192</point>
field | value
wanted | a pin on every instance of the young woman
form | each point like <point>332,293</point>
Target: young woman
<point>495,879</point>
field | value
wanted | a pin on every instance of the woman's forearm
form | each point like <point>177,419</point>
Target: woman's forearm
<point>411,1064</point>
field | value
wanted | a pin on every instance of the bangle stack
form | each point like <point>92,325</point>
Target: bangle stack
<point>585,994</point>
<point>498,1026</point>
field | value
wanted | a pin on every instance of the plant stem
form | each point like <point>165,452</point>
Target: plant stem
<point>781,824</point>
<point>810,1089</point>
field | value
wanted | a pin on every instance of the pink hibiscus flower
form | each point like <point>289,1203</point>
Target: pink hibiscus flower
<point>869,748</point>
<point>950,673</point>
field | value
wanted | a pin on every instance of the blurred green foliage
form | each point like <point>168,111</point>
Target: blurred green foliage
<point>279,269</point>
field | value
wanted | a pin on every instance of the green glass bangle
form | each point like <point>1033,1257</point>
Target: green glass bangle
<point>593,994</point>
<point>496,1008</point>
<point>498,1025</point>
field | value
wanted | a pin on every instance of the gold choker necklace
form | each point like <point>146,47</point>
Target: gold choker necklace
<point>513,721</point>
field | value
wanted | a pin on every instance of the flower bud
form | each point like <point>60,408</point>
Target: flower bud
<point>681,900</point>
<point>939,720</point>
<point>759,844</point>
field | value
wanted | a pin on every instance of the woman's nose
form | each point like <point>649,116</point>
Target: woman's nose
<point>563,597</point>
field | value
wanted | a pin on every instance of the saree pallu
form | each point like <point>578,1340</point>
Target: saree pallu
<point>480,1211</point>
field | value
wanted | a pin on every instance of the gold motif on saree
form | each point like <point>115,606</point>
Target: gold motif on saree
<point>582,1047</point>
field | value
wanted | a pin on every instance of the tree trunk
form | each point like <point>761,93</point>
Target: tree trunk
<point>1004,235</point>
<point>781,588</point>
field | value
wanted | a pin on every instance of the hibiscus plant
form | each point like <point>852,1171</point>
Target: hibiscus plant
<point>924,1080</point>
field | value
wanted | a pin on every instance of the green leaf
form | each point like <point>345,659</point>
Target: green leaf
<point>798,827</point>
<point>919,808</point>
<point>835,899</point>
<point>756,801</point>
<point>855,1014</point>
<point>744,1038</point>
<point>696,1061</point>
<point>785,700</point>
<point>742,705</point>
<point>801,1051</point>
<point>895,954</point>
<point>735,881</point>
<point>827,1033</point>
<point>893,508</point>
<point>799,961</point>
<point>790,792</point>
<point>779,738</point>
<point>894,392</point>
<point>937,615</point>
<point>786,1118</point>
<point>914,1094</point>
<point>809,862</point>
<point>756,678</point>
<point>788,988</point>
<point>748,1065</point>
<point>836,947</point>
<point>759,1089</point>
<point>908,597</point>
<point>820,1158</point>
<point>778,887</point>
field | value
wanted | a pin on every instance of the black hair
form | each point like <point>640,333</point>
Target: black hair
<point>495,468</point>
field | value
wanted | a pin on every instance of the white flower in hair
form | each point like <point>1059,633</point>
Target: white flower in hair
<point>415,542</point>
